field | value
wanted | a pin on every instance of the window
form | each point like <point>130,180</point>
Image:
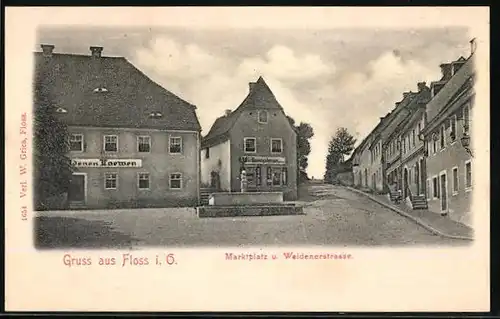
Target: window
<point>176,181</point>
<point>143,144</point>
<point>207,152</point>
<point>434,143</point>
<point>143,180</point>
<point>468,175</point>
<point>262,116</point>
<point>466,116</point>
<point>111,181</point>
<point>258,176</point>
<point>404,146</point>
<point>250,144</point>
<point>276,145</point>
<point>442,137</point>
<point>455,180</point>
<point>419,128</point>
<point>76,143</point>
<point>284,176</point>
<point>453,128</point>
<point>110,143</point>
<point>435,188</point>
<point>175,145</point>
<point>269,176</point>
<point>276,177</point>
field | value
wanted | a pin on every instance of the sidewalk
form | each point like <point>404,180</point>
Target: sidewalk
<point>441,225</point>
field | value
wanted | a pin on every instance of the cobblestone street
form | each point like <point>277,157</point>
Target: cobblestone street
<point>334,216</point>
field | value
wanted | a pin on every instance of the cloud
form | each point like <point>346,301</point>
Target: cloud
<point>283,64</point>
<point>174,60</point>
<point>308,85</point>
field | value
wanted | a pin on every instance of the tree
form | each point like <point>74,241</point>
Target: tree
<point>304,133</point>
<point>341,145</point>
<point>52,166</point>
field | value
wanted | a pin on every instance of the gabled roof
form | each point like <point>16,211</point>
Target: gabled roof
<point>457,82</point>
<point>109,92</point>
<point>260,96</point>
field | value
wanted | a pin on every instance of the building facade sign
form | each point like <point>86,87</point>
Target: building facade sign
<point>263,160</point>
<point>105,163</point>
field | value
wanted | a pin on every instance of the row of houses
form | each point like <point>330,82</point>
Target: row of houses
<point>421,150</point>
<point>134,143</point>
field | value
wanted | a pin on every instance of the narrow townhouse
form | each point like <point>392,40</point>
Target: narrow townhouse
<point>448,146</point>
<point>256,138</point>
<point>132,142</point>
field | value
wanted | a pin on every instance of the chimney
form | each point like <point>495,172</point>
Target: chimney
<point>47,49</point>
<point>96,51</point>
<point>251,85</point>
<point>227,112</point>
<point>473,46</point>
<point>421,86</point>
<point>405,94</point>
<point>446,70</point>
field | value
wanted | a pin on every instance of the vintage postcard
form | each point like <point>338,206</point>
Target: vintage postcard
<point>247,159</point>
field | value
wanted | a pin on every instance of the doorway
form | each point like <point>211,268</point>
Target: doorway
<point>215,180</point>
<point>77,187</point>
<point>423,176</point>
<point>444,193</point>
<point>405,183</point>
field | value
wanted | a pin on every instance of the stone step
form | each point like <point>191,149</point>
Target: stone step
<point>251,210</point>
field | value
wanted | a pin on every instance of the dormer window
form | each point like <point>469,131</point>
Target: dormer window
<point>155,115</point>
<point>262,116</point>
<point>100,90</point>
<point>61,110</point>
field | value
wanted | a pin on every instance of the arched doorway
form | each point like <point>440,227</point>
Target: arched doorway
<point>405,183</point>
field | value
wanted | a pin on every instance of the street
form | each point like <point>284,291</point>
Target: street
<point>333,216</point>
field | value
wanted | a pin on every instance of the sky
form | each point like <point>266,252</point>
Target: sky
<point>329,78</point>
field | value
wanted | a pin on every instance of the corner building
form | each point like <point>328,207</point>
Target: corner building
<point>256,137</point>
<point>132,142</point>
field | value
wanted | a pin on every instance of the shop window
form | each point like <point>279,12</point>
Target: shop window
<point>276,177</point>
<point>269,176</point>
<point>258,176</point>
<point>284,176</point>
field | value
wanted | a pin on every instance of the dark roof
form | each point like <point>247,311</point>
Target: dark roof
<point>457,82</point>
<point>260,96</point>
<point>70,80</point>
